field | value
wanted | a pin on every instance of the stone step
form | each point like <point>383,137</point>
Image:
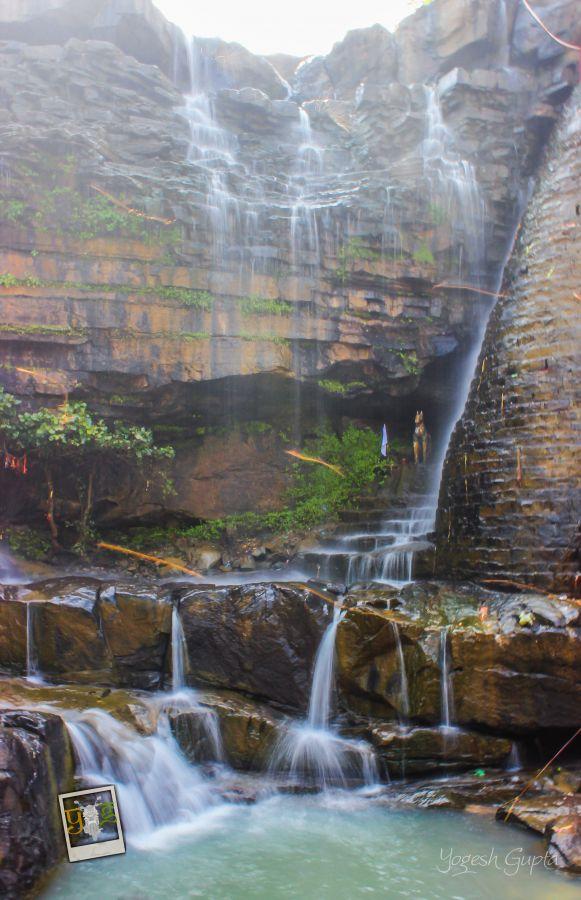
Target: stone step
<point>359,543</point>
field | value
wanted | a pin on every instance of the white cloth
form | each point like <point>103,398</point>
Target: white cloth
<point>384,441</point>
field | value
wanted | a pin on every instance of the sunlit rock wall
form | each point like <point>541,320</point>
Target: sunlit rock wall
<point>510,498</point>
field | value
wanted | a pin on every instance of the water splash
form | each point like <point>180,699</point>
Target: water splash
<point>161,796</point>
<point>9,571</point>
<point>311,752</point>
<point>184,700</point>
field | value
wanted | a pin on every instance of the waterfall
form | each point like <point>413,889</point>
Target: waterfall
<point>446,688</point>
<point>403,681</point>
<point>179,651</point>
<point>311,751</point>
<point>453,187</point>
<point>305,202</point>
<point>32,667</point>
<point>161,796</point>
<point>214,152</point>
<point>514,762</point>
<point>319,713</point>
<point>183,699</point>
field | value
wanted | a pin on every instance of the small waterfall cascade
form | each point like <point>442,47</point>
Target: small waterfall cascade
<point>161,795</point>
<point>32,666</point>
<point>179,651</point>
<point>514,762</point>
<point>454,192</point>
<point>183,699</point>
<point>214,152</point>
<point>304,192</point>
<point>319,713</point>
<point>403,681</point>
<point>311,752</point>
<point>378,548</point>
<point>446,687</point>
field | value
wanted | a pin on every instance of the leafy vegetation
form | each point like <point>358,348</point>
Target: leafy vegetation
<point>316,494</point>
<point>42,329</point>
<point>185,296</point>
<point>12,210</point>
<point>409,361</point>
<point>338,387</point>
<point>423,255</point>
<point>354,249</point>
<point>70,445</point>
<point>267,338</point>
<point>29,543</point>
<point>254,305</point>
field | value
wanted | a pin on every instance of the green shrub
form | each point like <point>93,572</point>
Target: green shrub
<point>28,543</point>
<point>423,255</point>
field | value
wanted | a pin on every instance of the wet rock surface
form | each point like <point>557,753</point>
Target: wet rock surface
<point>85,630</point>
<point>260,639</point>
<point>492,659</point>
<point>510,493</point>
<point>36,764</point>
<point>314,275</point>
<point>248,731</point>
<point>409,751</point>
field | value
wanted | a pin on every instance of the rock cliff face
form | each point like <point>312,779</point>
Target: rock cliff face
<point>191,237</point>
<point>36,764</point>
<point>510,497</point>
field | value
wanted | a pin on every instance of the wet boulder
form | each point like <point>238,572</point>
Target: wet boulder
<point>12,633</point>
<point>517,682</point>
<point>413,751</point>
<point>136,624</point>
<point>82,630</point>
<point>369,670</point>
<point>247,731</point>
<point>134,708</point>
<point>513,661</point>
<point>66,639</point>
<point>259,639</point>
<point>36,764</point>
<point>539,811</point>
<point>564,849</point>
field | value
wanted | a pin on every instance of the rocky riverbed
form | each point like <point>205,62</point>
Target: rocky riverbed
<point>505,665</point>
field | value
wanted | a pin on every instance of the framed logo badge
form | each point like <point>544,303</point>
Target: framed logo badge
<point>91,823</point>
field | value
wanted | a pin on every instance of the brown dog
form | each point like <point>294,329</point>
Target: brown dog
<point>421,439</point>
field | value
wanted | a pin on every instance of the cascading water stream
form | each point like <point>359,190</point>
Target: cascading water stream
<point>178,651</point>
<point>185,700</point>
<point>32,667</point>
<point>403,681</point>
<point>319,713</point>
<point>305,202</point>
<point>161,796</point>
<point>446,687</point>
<point>311,751</point>
<point>514,762</point>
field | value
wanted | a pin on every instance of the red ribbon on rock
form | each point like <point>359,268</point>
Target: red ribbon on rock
<point>17,464</point>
